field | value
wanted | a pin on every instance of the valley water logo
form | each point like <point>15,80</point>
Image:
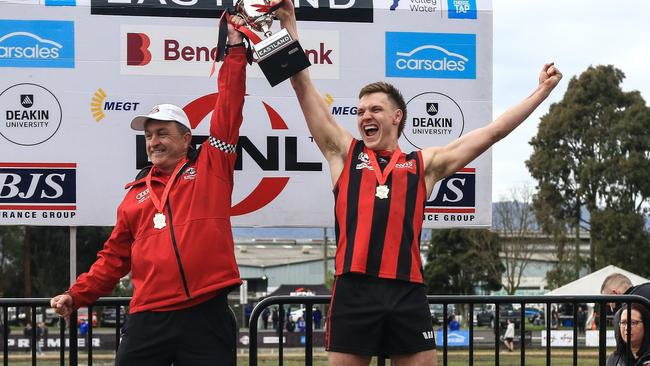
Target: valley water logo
<point>431,55</point>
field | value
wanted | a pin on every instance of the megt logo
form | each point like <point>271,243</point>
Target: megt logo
<point>38,186</point>
<point>36,43</point>
<point>311,10</point>
<point>431,55</point>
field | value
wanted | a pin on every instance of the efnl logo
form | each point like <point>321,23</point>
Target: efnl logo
<point>36,43</point>
<point>461,9</point>
<point>431,55</point>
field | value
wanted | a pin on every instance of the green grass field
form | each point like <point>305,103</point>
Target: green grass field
<point>455,358</point>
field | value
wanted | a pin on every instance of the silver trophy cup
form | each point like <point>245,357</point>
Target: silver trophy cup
<point>279,55</point>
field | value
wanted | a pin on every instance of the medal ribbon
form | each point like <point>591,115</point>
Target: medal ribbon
<point>159,204</point>
<point>382,177</point>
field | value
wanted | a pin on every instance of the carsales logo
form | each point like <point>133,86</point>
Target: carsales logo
<point>36,43</point>
<point>268,159</point>
<point>431,55</point>
<point>190,51</point>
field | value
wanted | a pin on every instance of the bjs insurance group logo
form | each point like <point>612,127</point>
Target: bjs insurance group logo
<point>38,186</point>
<point>36,43</point>
<point>453,198</point>
<point>431,55</point>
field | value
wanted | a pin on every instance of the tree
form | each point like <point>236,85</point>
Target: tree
<point>41,268</point>
<point>515,222</point>
<point>460,260</point>
<point>591,152</point>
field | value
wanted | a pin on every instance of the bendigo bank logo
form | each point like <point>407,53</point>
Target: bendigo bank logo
<point>453,198</point>
<point>311,10</point>
<point>186,51</point>
<point>137,49</point>
<point>431,55</point>
<point>269,187</point>
<point>38,186</point>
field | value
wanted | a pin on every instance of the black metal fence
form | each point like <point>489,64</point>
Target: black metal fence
<point>69,350</point>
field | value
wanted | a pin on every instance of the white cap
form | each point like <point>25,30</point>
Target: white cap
<point>162,112</point>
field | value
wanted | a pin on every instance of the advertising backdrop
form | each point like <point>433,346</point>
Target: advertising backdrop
<point>73,74</point>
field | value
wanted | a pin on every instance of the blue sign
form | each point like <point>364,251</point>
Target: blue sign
<point>455,338</point>
<point>457,190</point>
<point>462,9</point>
<point>431,55</point>
<point>36,43</point>
<point>60,2</point>
<point>38,186</point>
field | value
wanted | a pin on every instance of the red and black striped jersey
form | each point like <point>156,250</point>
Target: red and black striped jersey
<point>380,236</point>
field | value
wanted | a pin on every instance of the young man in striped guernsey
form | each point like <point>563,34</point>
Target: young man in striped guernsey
<point>379,304</point>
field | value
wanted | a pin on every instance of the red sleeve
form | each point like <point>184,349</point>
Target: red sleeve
<point>113,262</point>
<point>227,116</point>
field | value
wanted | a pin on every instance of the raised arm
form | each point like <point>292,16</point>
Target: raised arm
<point>440,162</point>
<point>332,139</point>
<point>227,116</point>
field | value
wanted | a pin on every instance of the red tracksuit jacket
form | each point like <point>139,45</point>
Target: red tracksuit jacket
<point>193,256</point>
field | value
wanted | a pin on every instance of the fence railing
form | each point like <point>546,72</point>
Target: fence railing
<point>471,302</point>
<point>68,338</point>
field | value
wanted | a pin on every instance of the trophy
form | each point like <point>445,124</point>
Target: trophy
<point>279,55</point>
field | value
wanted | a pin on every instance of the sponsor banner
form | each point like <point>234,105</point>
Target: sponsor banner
<point>60,3</point>
<point>102,104</point>
<point>431,55</point>
<point>38,191</point>
<point>559,338</point>
<point>461,9</point>
<point>37,43</point>
<point>311,10</point>
<point>30,114</point>
<point>80,115</point>
<point>455,338</point>
<point>416,6</point>
<point>592,338</point>
<point>190,51</point>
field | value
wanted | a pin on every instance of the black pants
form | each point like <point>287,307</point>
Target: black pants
<point>203,335</point>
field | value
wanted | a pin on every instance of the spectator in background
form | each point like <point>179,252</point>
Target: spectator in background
<point>302,325</point>
<point>27,332</point>
<point>639,326</point>
<point>275,318</point>
<point>620,284</point>
<point>453,323</point>
<point>582,318</point>
<point>266,314</point>
<point>83,327</point>
<point>509,336</point>
<point>555,318</point>
<point>41,337</point>
<point>318,317</point>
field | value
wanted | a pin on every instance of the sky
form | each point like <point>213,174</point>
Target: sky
<point>572,33</point>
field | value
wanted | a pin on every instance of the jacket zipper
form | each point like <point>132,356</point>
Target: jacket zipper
<point>175,245</point>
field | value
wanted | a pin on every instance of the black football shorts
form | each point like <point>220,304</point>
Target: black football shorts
<point>372,316</point>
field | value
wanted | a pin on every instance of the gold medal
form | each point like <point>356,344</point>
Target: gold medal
<point>382,191</point>
<point>159,220</point>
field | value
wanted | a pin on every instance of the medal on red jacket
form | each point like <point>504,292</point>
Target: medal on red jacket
<point>159,218</point>
<point>382,189</point>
